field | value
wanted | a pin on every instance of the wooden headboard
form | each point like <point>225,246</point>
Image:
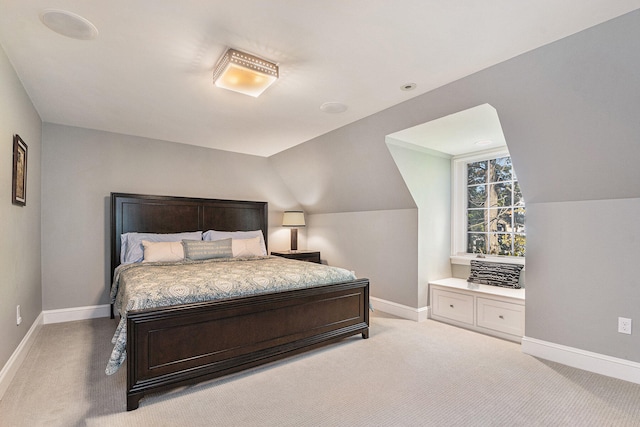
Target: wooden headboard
<point>166,214</point>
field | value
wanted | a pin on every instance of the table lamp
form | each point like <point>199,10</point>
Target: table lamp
<point>293,220</point>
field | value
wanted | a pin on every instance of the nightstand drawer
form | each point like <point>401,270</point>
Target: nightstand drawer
<point>453,306</point>
<point>309,256</point>
<point>501,316</point>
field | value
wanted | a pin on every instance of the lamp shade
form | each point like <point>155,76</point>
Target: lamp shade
<point>293,219</point>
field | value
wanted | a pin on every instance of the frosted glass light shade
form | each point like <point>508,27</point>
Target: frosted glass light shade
<point>244,73</point>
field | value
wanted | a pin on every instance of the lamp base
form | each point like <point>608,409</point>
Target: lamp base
<point>294,239</point>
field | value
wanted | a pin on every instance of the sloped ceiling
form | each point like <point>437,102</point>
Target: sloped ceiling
<point>149,71</point>
<point>568,110</point>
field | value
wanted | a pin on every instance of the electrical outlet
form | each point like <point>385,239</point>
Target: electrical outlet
<point>18,317</point>
<point>624,325</point>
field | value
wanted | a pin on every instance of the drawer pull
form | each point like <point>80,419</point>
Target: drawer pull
<point>501,316</point>
<point>451,305</point>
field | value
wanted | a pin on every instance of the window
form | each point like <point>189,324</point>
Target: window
<point>489,217</point>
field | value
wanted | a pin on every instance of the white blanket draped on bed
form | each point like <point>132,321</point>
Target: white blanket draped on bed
<point>159,284</point>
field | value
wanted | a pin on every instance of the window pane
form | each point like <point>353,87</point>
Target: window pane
<point>477,196</point>
<point>500,220</point>
<point>500,244</point>
<point>500,169</point>
<point>518,200</point>
<point>477,173</point>
<point>500,194</point>
<point>505,244</point>
<point>493,243</point>
<point>519,243</point>
<point>476,220</point>
<point>476,243</point>
<point>518,220</point>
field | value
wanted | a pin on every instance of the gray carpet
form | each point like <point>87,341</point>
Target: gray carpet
<point>406,374</point>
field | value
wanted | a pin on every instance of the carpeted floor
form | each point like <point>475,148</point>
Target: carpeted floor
<point>405,374</point>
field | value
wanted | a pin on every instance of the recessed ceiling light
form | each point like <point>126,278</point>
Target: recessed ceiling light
<point>333,107</point>
<point>68,24</point>
<point>408,86</point>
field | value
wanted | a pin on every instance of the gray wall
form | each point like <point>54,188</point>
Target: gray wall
<point>347,170</point>
<point>569,112</point>
<point>351,170</point>
<point>19,226</point>
<point>82,167</point>
<point>577,290</point>
<point>380,245</point>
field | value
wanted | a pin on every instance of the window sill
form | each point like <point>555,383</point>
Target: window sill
<point>466,259</point>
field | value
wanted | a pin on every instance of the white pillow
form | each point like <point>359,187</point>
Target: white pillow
<point>218,235</point>
<point>162,251</point>
<point>131,249</point>
<point>246,247</point>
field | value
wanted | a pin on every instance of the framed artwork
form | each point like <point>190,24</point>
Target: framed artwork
<point>19,189</point>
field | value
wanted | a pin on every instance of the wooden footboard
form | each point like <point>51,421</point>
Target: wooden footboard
<point>186,344</point>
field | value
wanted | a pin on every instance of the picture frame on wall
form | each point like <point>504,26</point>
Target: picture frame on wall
<point>19,187</point>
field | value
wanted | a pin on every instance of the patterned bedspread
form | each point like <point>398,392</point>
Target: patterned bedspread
<point>158,284</point>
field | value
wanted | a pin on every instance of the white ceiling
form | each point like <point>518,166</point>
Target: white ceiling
<point>149,71</point>
<point>464,132</point>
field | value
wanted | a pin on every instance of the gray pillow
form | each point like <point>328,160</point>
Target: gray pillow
<point>239,235</point>
<point>495,273</point>
<point>196,250</point>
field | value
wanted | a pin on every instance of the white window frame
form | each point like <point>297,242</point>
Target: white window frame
<point>459,253</point>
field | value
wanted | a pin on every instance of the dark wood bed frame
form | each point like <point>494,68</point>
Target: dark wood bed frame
<point>185,344</point>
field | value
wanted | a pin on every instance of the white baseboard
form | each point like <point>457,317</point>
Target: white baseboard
<point>406,312</point>
<point>15,361</point>
<point>76,313</point>
<point>582,359</point>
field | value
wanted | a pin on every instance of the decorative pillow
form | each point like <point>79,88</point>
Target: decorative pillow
<point>162,251</point>
<point>495,273</point>
<point>246,247</point>
<point>200,249</point>
<point>131,248</point>
<point>218,235</point>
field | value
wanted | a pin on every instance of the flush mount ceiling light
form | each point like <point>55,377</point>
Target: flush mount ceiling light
<point>244,73</point>
<point>68,24</point>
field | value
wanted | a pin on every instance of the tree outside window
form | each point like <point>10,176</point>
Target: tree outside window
<point>495,209</point>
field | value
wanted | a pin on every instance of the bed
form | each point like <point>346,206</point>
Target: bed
<point>184,344</point>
